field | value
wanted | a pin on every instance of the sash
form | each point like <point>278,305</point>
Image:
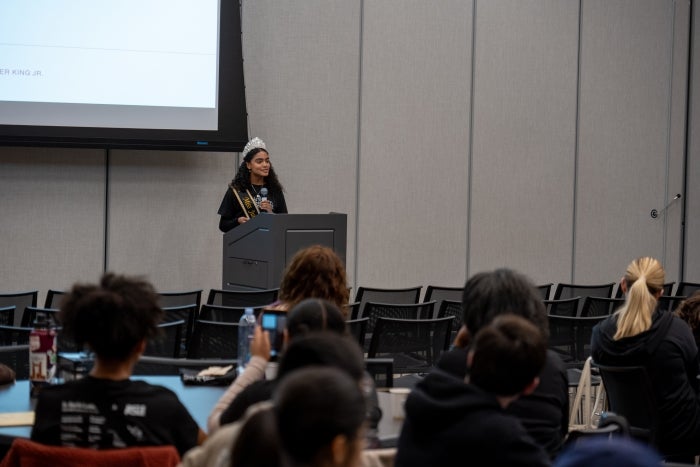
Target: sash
<point>246,202</point>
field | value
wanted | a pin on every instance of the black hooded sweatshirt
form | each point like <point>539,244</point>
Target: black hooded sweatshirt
<point>451,423</point>
<point>670,355</point>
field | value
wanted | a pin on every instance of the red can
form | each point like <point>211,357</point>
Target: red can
<point>42,358</point>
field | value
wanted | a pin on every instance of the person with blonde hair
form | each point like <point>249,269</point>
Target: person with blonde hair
<point>639,334</point>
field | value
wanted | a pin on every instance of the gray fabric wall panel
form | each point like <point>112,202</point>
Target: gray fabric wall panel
<point>623,134</point>
<point>302,84</point>
<point>524,137</point>
<point>52,215</point>
<point>162,216</point>
<point>416,63</point>
<point>692,201</point>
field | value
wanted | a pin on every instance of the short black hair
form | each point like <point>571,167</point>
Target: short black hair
<point>313,406</point>
<point>508,354</point>
<point>490,294</point>
<point>322,348</point>
<point>315,314</point>
<point>111,317</point>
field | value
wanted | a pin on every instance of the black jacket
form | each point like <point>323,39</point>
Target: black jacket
<point>670,355</point>
<point>545,412</point>
<point>451,423</point>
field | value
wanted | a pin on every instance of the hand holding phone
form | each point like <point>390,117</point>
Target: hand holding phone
<point>274,322</point>
<point>260,345</point>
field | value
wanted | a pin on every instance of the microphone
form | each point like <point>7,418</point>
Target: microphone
<point>655,213</point>
<point>263,194</point>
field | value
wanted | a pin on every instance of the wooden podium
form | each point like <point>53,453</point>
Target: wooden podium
<point>256,252</point>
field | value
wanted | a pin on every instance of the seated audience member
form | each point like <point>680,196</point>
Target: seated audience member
<point>316,420</point>
<point>326,349</point>
<point>308,315</point>
<point>545,412</point>
<point>604,452</point>
<point>449,422</point>
<point>689,311</point>
<point>314,272</point>
<point>106,409</point>
<point>638,334</point>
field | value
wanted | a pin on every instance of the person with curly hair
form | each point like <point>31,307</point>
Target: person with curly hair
<point>689,311</point>
<point>314,272</point>
<point>106,409</point>
<point>246,196</point>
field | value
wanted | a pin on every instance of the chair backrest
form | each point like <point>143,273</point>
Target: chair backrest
<point>358,329</point>
<point>31,453</point>
<point>352,310</point>
<point>414,344</point>
<point>20,300</point>
<point>244,298</point>
<point>7,315</point>
<point>374,310</point>
<point>30,313</point>
<point>544,290</point>
<point>668,290</point>
<point>600,306</point>
<point>438,293</point>
<point>14,335</point>
<point>370,294</point>
<point>687,288</point>
<point>148,365</point>
<point>563,307</point>
<point>630,394</point>
<point>170,299</point>
<point>670,302</point>
<point>169,343</point>
<point>225,314</point>
<point>570,336</point>
<point>454,309</point>
<point>578,290</point>
<point>17,358</point>
<point>54,298</point>
<point>212,339</point>
<point>187,313</point>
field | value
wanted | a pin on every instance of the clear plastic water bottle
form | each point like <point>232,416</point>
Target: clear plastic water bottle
<point>246,330</point>
<point>42,355</point>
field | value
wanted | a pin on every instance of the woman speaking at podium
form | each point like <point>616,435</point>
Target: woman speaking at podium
<point>253,190</point>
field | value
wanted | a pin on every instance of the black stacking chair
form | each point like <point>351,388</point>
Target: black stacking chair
<point>54,298</point>
<point>20,300</point>
<point>454,309</point>
<point>358,329</point>
<point>186,313</point>
<point>31,312</point>
<point>371,294</point>
<point>440,294</point>
<point>686,289</point>
<point>670,302</point>
<point>578,290</point>
<point>212,339</point>
<point>570,337</point>
<point>7,315</point>
<point>14,335</point>
<point>242,298</point>
<point>171,299</point>
<point>375,310</point>
<point>600,306</point>
<point>544,290</point>
<point>225,314</point>
<point>563,307</point>
<point>169,342</point>
<point>414,344</point>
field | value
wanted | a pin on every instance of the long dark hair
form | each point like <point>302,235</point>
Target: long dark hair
<point>242,179</point>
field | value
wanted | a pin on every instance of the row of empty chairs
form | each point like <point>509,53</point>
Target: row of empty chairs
<point>563,291</point>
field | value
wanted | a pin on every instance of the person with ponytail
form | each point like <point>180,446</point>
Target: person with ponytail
<point>639,334</point>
